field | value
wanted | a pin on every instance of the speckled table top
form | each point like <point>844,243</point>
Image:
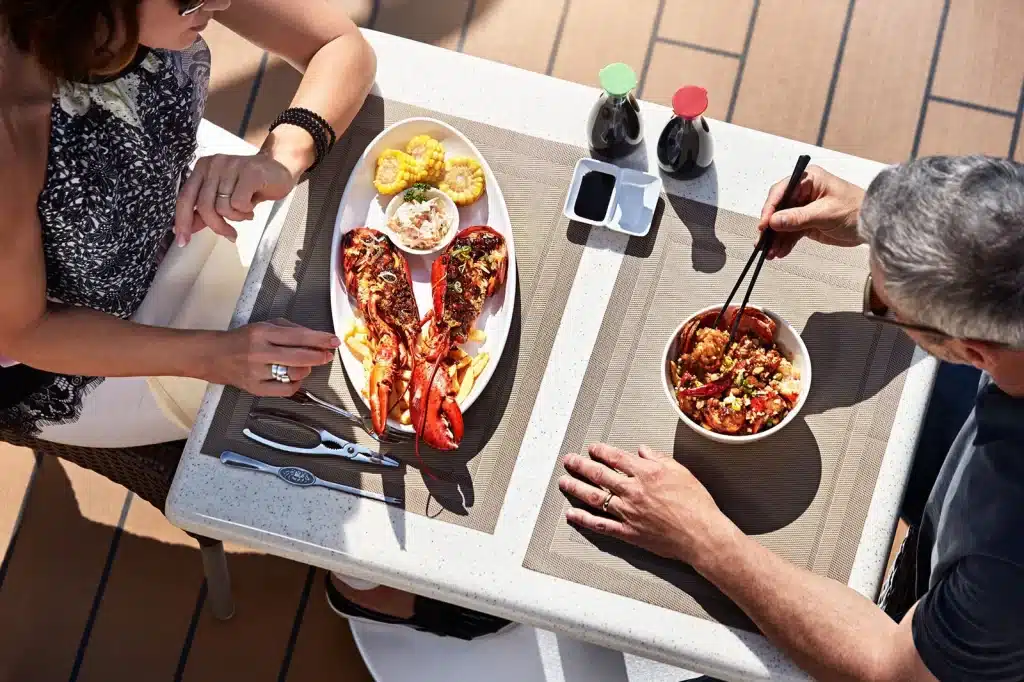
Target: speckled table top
<point>368,540</point>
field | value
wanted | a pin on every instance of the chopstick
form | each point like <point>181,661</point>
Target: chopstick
<point>761,249</point>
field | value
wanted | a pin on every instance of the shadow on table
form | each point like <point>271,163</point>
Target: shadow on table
<point>762,486</point>
<point>452,488</point>
<point>680,575</point>
<point>700,217</point>
<point>842,347</point>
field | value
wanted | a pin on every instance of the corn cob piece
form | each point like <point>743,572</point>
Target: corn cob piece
<point>396,171</point>
<point>430,153</point>
<point>463,180</point>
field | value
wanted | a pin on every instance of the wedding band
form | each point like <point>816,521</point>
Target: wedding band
<point>280,373</point>
<point>607,501</point>
<point>223,195</point>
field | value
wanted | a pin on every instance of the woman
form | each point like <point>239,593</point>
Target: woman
<point>100,102</point>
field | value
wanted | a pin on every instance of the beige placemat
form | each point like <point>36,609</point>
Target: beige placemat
<point>471,483</point>
<point>805,490</point>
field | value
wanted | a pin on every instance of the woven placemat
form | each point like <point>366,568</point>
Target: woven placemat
<point>470,484</point>
<point>804,491</point>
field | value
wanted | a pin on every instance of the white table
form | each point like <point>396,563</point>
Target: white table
<point>478,570</point>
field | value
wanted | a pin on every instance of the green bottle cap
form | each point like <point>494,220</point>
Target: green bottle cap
<point>618,79</point>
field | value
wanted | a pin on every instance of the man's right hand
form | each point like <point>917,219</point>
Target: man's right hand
<point>824,208</point>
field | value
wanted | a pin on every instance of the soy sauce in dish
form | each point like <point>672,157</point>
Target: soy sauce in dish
<point>595,195</point>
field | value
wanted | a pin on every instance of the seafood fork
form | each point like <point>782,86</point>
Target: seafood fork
<point>392,435</point>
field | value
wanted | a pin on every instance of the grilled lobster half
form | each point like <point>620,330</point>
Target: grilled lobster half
<point>469,271</point>
<point>377,277</point>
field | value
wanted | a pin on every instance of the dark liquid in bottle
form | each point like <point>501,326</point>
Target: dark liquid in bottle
<point>680,145</point>
<point>594,196</point>
<point>615,126</point>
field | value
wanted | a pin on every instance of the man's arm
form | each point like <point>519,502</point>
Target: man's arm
<point>828,629</point>
<point>824,626</point>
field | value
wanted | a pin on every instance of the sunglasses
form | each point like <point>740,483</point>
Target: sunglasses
<point>877,311</point>
<point>187,7</point>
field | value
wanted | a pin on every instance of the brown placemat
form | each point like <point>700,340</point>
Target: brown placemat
<point>471,482</point>
<point>804,491</point>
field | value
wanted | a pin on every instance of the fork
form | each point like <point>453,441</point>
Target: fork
<point>391,435</point>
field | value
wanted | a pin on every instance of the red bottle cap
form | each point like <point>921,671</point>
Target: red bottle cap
<point>690,101</point>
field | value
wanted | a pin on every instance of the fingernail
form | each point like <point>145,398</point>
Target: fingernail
<point>335,341</point>
<point>569,460</point>
<point>181,240</point>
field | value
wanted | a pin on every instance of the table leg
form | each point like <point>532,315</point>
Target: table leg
<point>218,581</point>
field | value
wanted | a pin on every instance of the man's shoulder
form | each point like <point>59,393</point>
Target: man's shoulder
<point>1000,416</point>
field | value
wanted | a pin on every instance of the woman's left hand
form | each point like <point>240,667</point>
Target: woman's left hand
<point>226,187</point>
<point>653,501</point>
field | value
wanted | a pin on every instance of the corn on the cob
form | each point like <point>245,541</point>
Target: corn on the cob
<point>430,153</point>
<point>463,180</point>
<point>396,171</point>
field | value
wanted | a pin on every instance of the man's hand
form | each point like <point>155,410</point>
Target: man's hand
<point>656,502</point>
<point>824,208</point>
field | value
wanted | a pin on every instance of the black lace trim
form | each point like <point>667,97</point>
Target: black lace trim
<point>52,399</point>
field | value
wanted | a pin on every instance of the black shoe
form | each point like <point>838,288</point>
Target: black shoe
<point>429,615</point>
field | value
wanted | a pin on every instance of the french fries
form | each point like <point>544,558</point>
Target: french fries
<point>464,370</point>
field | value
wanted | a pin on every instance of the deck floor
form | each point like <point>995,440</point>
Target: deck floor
<point>96,585</point>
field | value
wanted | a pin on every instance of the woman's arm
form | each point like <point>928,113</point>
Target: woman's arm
<point>70,340</point>
<point>338,66</point>
<point>319,39</point>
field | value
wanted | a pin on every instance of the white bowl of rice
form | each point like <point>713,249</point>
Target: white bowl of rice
<point>421,220</point>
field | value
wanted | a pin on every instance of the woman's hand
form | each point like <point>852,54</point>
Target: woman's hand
<point>824,208</point>
<point>225,187</point>
<point>243,356</point>
<point>655,503</point>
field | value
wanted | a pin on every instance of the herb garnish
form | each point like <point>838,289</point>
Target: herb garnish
<point>417,192</point>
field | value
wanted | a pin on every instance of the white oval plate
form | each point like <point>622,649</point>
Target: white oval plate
<point>361,206</point>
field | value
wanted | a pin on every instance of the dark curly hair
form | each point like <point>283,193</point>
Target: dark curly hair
<point>73,39</point>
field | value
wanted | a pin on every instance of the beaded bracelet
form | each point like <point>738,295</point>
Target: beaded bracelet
<point>318,128</point>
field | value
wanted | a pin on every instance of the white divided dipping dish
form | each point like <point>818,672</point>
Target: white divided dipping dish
<point>633,200</point>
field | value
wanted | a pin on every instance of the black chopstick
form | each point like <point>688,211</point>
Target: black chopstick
<point>764,245</point>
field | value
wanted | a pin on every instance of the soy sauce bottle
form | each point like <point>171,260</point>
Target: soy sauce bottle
<point>686,148</point>
<point>615,126</point>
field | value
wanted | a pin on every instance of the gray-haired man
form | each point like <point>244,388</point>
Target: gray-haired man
<point>947,265</point>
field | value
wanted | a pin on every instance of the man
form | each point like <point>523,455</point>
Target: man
<point>947,264</point>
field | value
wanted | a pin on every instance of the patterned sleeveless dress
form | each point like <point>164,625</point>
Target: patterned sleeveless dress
<point>119,149</point>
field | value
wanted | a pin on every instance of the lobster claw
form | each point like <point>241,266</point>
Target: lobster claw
<point>434,411</point>
<point>382,381</point>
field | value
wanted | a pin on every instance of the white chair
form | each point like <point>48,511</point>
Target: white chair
<point>520,654</point>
